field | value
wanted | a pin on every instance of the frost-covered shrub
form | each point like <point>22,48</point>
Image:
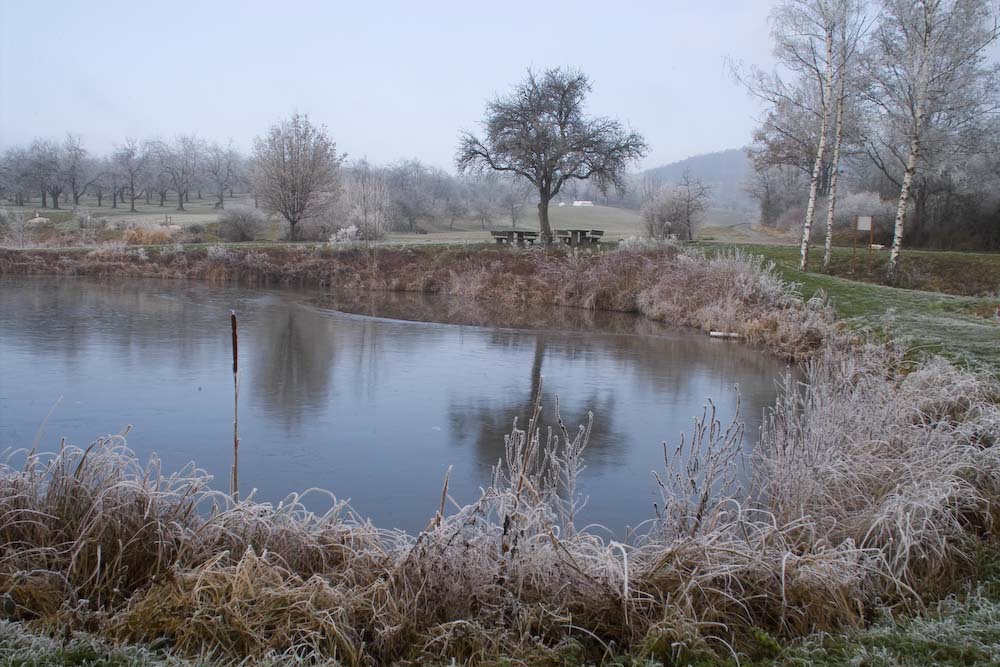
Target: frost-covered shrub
<point>109,250</point>
<point>218,253</point>
<point>241,224</point>
<point>345,235</point>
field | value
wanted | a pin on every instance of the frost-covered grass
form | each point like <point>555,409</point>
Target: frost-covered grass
<point>962,328</point>
<point>876,484</point>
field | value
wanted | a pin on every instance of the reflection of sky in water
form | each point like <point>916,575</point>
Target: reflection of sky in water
<point>373,409</point>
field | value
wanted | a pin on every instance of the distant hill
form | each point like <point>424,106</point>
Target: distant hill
<point>726,171</point>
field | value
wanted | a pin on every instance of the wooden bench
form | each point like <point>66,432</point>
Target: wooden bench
<point>521,237</point>
<point>579,236</point>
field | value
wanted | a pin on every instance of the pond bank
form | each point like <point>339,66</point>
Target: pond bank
<point>878,482</point>
<point>732,292</point>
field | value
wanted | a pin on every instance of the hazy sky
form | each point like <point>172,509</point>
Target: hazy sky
<point>389,79</point>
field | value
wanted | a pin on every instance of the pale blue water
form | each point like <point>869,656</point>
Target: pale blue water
<point>373,409</point>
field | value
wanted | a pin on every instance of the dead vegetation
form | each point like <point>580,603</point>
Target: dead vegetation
<point>735,292</point>
<point>875,484</point>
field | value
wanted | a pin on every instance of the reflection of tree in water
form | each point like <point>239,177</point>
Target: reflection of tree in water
<point>293,368</point>
<point>487,421</point>
<point>684,370</point>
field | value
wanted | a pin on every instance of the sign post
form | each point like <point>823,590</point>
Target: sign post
<point>863,223</point>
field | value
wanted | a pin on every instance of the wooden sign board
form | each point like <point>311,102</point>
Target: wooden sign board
<point>864,223</point>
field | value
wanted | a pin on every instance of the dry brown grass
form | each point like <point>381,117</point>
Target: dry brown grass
<point>150,235</point>
<point>875,483</point>
<point>735,292</point>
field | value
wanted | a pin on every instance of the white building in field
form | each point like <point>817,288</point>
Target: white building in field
<point>583,202</point>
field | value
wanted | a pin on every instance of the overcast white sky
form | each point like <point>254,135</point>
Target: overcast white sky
<point>390,79</point>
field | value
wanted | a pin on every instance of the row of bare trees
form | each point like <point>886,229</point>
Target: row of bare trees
<point>295,169</point>
<point>899,95</point>
<point>55,172</point>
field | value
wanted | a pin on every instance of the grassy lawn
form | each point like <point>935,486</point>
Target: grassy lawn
<point>962,328</point>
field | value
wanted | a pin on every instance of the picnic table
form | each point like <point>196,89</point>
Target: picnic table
<point>512,236</point>
<point>579,236</point>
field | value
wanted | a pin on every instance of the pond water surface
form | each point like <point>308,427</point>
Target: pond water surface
<point>345,392</point>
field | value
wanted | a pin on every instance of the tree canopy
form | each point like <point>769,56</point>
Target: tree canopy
<point>541,133</point>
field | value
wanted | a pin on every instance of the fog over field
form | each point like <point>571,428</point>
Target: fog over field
<point>391,80</point>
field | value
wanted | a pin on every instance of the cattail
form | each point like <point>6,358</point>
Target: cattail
<point>234,488</point>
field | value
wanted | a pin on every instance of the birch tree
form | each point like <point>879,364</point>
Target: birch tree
<point>804,34</point>
<point>852,24</point>
<point>801,96</point>
<point>931,86</point>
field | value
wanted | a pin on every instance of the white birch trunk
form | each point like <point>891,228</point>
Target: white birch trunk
<point>837,140</point>
<point>912,160</point>
<point>820,151</point>
<point>904,200</point>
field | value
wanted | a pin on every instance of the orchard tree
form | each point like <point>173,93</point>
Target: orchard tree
<point>541,133</point>
<point>79,170</point>
<point>296,169</point>
<point>131,160</point>
<point>180,162</point>
<point>221,169</point>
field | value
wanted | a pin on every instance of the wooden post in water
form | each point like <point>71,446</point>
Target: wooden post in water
<point>234,483</point>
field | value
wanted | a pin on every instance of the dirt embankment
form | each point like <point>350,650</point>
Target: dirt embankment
<point>734,293</point>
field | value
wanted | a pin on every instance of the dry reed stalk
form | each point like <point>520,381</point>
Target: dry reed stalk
<point>234,488</point>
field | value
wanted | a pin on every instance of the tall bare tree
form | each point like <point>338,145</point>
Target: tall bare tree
<point>44,170</point>
<point>932,86</point>
<point>676,209</point>
<point>541,133</point>
<point>221,165</point>
<point>79,171</point>
<point>368,197</point>
<point>296,169</point>
<point>131,161</point>
<point>180,162</point>
<point>852,24</point>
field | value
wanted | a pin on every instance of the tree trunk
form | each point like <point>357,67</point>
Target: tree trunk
<point>892,269</point>
<point>100,197</point>
<point>180,200</point>
<point>292,233</point>
<point>163,198</point>
<point>230,193</point>
<point>912,160</point>
<point>543,218</point>
<point>820,150</point>
<point>45,200</point>
<point>199,193</point>
<point>148,195</point>
<point>55,200</point>
<point>76,198</point>
<point>838,138</point>
<point>221,203</point>
<point>131,199</point>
